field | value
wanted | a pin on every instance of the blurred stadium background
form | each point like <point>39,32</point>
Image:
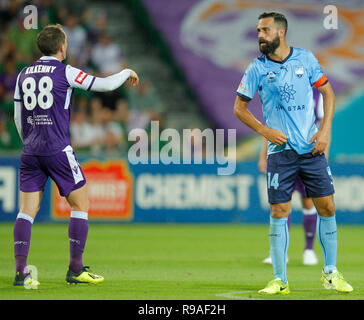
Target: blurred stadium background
<point>190,56</point>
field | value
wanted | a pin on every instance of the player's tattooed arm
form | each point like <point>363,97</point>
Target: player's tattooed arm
<point>323,135</point>
<point>244,115</point>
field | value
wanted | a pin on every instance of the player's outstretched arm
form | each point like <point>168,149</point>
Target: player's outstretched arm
<point>114,81</point>
<point>79,79</point>
<point>244,115</point>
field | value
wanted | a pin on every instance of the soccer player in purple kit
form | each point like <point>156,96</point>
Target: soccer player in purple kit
<point>42,110</point>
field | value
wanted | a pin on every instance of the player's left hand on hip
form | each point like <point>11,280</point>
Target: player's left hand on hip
<point>321,142</point>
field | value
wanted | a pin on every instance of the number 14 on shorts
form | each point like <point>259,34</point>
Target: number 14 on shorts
<point>273,180</point>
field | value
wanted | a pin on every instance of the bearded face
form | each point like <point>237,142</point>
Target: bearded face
<point>269,47</point>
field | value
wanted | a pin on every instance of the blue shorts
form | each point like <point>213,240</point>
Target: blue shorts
<point>63,168</point>
<point>284,167</point>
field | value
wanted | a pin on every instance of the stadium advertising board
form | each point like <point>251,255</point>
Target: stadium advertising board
<point>120,192</point>
<point>110,186</point>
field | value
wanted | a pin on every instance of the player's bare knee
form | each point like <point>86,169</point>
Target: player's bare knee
<point>78,200</point>
<point>327,209</point>
<point>83,206</point>
<point>278,215</point>
<point>278,211</point>
<point>30,211</point>
<point>331,209</point>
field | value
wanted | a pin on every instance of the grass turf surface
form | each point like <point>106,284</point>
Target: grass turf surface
<point>183,262</point>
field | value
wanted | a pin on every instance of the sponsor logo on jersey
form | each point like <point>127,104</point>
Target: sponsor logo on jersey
<point>30,120</point>
<point>291,108</point>
<point>81,77</point>
<point>271,76</point>
<point>299,71</point>
<point>287,92</point>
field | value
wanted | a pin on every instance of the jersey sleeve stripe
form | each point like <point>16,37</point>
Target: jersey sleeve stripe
<point>243,96</point>
<point>92,82</point>
<point>323,80</point>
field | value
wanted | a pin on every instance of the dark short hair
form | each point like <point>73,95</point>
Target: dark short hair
<point>50,38</point>
<point>279,18</point>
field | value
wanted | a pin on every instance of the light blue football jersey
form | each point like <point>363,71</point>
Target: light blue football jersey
<point>285,90</point>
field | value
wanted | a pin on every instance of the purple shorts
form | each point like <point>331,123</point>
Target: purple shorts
<point>63,168</point>
<point>300,187</point>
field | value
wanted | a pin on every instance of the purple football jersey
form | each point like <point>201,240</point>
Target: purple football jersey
<point>45,90</point>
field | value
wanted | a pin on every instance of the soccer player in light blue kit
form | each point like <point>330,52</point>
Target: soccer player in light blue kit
<point>284,76</point>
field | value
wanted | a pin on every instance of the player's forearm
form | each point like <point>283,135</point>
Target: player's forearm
<point>329,114</point>
<point>112,82</point>
<point>263,152</point>
<point>245,116</point>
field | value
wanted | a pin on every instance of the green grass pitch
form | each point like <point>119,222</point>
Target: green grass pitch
<point>182,262</point>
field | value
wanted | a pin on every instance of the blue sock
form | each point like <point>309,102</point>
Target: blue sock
<point>279,241</point>
<point>327,236</point>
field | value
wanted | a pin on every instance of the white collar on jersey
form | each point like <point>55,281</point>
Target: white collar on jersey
<point>48,58</point>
